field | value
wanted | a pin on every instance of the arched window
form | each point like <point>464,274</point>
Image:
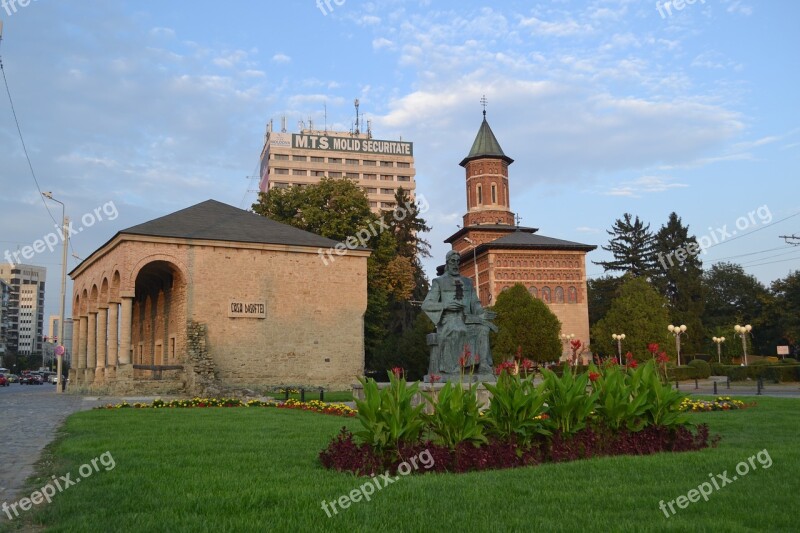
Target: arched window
<point>533,291</point>
<point>572,295</point>
<point>480,195</point>
<point>559,295</point>
<point>494,193</point>
<point>546,294</point>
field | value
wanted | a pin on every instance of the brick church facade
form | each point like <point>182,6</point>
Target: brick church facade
<point>497,254</point>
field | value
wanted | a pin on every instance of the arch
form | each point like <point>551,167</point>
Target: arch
<point>572,295</point>
<point>546,294</point>
<point>558,294</point>
<point>533,291</point>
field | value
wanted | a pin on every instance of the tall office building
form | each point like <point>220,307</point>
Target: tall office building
<point>25,307</point>
<point>298,159</point>
<point>5,294</point>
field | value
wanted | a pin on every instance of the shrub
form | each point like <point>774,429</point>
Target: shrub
<point>681,373</point>
<point>619,403</point>
<point>387,415</point>
<point>456,416</point>
<point>789,361</point>
<point>702,368</point>
<point>516,413</point>
<point>718,369</point>
<point>568,402</point>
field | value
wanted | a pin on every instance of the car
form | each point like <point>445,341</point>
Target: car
<point>52,378</point>
<point>12,378</point>
<point>3,380</point>
<point>36,379</point>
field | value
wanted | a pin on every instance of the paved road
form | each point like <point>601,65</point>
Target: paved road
<point>29,417</point>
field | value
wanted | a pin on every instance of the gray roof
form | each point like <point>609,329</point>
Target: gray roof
<point>215,221</point>
<point>524,239</point>
<point>485,145</point>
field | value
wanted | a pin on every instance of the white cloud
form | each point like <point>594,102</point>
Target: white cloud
<point>281,58</point>
<point>644,185</point>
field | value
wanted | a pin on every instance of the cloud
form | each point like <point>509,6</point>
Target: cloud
<point>382,42</point>
<point>281,58</point>
<point>644,185</point>
<point>555,29</point>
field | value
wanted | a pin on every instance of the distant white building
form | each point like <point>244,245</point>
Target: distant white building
<point>25,313</point>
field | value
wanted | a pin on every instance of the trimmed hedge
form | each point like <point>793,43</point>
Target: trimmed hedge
<point>702,368</point>
<point>681,373</point>
<point>777,373</point>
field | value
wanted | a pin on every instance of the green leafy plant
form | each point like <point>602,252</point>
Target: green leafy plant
<point>517,412</point>
<point>388,416</point>
<point>620,402</point>
<point>568,400</point>
<point>663,402</point>
<point>456,416</point>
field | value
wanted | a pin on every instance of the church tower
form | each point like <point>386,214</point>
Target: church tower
<point>497,254</point>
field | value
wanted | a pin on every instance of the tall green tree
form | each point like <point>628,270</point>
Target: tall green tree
<point>526,322</point>
<point>784,312</point>
<point>735,297</point>
<point>632,245</point>
<point>679,278</point>
<point>600,293</point>
<point>640,312</point>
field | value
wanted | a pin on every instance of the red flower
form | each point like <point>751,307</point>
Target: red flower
<point>663,357</point>
<point>652,348</point>
<point>629,356</point>
<point>397,371</point>
<point>526,364</point>
<point>632,363</point>
<point>435,378</point>
<point>593,376</point>
<point>575,343</point>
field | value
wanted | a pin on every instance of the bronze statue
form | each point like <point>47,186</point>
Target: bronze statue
<point>461,340</point>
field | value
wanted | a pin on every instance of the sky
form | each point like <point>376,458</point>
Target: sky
<point>131,110</point>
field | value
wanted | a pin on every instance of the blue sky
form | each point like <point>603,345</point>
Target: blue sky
<point>607,107</point>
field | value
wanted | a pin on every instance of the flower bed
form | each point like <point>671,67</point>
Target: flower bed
<point>609,410</point>
<point>722,403</point>
<point>337,409</point>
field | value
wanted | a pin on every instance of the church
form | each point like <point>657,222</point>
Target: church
<point>496,253</point>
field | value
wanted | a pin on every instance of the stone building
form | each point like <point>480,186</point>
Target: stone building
<point>25,310</point>
<point>497,254</point>
<point>214,297</point>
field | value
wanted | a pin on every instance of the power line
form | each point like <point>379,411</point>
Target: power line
<point>744,255</point>
<point>754,231</point>
<point>21,139</point>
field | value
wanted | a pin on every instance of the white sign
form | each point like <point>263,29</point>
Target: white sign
<point>783,350</point>
<point>247,309</point>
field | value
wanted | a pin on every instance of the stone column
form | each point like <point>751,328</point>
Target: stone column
<point>91,346</point>
<point>84,337</point>
<point>76,342</point>
<point>125,318</point>
<point>113,344</point>
<point>102,344</point>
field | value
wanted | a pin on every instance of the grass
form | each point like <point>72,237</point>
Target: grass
<point>256,469</point>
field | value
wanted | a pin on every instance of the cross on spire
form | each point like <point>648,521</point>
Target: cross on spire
<point>518,219</point>
<point>484,101</point>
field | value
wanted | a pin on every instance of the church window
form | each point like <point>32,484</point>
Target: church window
<point>494,193</point>
<point>534,291</point>
<point>480,195</point>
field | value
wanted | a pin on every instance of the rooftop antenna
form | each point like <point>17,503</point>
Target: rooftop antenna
<point>283,124</point>
<point>484,101</point>
<point>369,129</point>
<point>310,124</point>
<point>325,107</point>
<point>301,125</point>
<point>355,102</point>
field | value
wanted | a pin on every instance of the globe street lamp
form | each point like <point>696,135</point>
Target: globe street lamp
<point>619,338</point>
<point>743,331</point>
<point>677,331</point>
<point>719,341</point>
<point>64,240</point>
<point>565,339</point>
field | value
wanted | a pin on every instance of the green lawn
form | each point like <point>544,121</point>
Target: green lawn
<point>256,469</point>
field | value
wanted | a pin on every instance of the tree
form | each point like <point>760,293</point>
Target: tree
<point>632,246</point>
<point>639,312</point>
<point>600,293</point>
<point>734,297</point>
<point>784,310</point>
<point>523,321</point>
<point>679,278</point>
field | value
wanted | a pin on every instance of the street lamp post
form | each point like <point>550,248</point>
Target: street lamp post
<point>743,331</point>
<point>719,341</point>
<point>677,331</point>
<point>64,241</point>
<point>619,338</point>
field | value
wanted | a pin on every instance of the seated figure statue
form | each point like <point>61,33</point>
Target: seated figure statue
<point>462,325</point>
